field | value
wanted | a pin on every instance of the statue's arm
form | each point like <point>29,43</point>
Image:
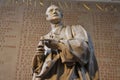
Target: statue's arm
<point>38,58</point>
<point>78,45</point>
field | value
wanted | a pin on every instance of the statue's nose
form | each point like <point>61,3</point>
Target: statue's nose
<point>54,12</point>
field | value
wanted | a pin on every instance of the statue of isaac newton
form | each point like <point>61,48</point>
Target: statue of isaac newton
<point>65,53</point>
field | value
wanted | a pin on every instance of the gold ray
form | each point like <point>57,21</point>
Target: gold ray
<point>66,5</point>
<point>99,7</point>
<point>60,5</point>
<point>41,3</point>
<point>88,8</point>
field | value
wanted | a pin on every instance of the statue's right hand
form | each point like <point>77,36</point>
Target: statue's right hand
<point>40,49</point>
<point>40,52</point>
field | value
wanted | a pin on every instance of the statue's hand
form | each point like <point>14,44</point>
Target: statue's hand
<point>40,52</point>
<point>40,49</point>
<point>51,43</point>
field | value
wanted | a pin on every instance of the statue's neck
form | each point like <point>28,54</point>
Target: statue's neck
<point>56,26</point>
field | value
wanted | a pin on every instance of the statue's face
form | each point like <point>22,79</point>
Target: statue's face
<point>54,14</point>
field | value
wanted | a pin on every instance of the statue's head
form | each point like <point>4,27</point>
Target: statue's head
<point>54,14</point>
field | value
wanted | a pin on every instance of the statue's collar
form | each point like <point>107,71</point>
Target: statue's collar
<point>57,29</point>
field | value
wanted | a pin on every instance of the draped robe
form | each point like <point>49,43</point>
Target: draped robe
<point>74,59</point>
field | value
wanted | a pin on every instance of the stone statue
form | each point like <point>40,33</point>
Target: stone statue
<point>65,53</point>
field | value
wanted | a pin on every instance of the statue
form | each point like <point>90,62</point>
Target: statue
<point>65,53</point>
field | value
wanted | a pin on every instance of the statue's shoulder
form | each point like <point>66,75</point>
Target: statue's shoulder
<point>79,30</point>
<point>76,27</point>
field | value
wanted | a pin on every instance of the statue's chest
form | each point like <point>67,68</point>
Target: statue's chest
<point>58,35</point>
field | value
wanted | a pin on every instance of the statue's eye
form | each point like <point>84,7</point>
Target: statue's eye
<point>51,10</point>
<point>57,9</point>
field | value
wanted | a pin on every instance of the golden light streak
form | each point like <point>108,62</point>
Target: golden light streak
<point>41,3</point>
<point>99,7</point>
<point>86,6</point>
<point>60,5</point>
<point>66,5</point>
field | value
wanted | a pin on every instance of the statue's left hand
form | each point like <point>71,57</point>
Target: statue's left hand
<point>52,43</point>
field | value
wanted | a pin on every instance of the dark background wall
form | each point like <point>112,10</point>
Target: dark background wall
<point>22,22</point>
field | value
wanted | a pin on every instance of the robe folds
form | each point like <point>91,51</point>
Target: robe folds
<point>73,60</point>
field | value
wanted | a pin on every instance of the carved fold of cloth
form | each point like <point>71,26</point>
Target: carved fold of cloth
<point>74,59</point>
